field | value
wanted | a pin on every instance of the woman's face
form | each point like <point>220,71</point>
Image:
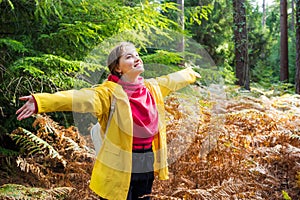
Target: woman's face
<point>130,64</point>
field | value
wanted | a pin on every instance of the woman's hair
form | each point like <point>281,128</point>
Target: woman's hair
<point>115,54</point>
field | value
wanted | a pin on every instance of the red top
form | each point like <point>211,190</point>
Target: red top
<point>144,112</point>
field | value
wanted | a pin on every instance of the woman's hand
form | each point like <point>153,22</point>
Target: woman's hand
<point>197,74</point>
<point>27,109</point>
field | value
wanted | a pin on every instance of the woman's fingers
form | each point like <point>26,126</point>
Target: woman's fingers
<point>24,112</point>
<point>24,98</point>
<point>27,109</point>
<point>197,75</point>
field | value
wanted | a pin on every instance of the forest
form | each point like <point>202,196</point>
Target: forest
<point>233,134</point>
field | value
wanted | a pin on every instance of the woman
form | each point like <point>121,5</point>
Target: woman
<point>134,147</point>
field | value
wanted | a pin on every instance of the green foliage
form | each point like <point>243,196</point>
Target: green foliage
<point>273,60</point>
<point>228,74</point>
<point>215,34</point>
<point>274,89</point>
<point>72,28</point>
<point>47,73</point>
<point>15,191</point>
<point>163,57</point>
<point>263,74</point>
<point>13,45</point>
<point>46,63</point>
<point>46,9</point>
<point>210,76</point>
<point>11,49</point>
<point>271,46</point>
<point>9,2</point>
<point>77,39</point>
<point>285,195</point>
<point>7,152</point>
<point>282,88</point>
<point>56,47</point>
<point>292,56</point>
<point>196,14</point>
<point>259,43</point>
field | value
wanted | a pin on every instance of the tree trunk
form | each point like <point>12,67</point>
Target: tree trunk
<point>241,44</point>
<point>264,14</point>
<point>293,16</point>
<point>284,69</point>
<point>298,46</point>
<point>181,24</point>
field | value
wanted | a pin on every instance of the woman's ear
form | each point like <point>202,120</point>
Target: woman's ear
<point>117,69</point>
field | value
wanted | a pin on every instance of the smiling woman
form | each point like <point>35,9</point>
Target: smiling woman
<point>129,65</point>
<point>134,146</point>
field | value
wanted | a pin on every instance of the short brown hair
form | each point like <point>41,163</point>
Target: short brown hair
<point>115,54</point>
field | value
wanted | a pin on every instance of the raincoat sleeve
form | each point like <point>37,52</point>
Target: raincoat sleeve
<point>176,80</point>
<point>93,100</point>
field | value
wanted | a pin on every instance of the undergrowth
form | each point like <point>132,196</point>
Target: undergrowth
<point>219,146</point>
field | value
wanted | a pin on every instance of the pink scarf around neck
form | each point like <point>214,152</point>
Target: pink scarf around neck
<point>143,108</point>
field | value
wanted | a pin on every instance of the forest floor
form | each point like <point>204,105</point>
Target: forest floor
<point>244,146</point>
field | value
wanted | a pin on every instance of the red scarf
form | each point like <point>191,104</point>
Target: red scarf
<point>143,108</point>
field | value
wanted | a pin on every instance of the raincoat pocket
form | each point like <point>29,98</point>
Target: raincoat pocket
<point>111,157</point>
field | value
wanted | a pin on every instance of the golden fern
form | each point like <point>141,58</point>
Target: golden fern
<point>60,192</point>
<point>249,150</point>
<point>34,168</point>
<point>35,145</point>
<point>295,136</point>
<point>57,156</point>
<point>68,138</point>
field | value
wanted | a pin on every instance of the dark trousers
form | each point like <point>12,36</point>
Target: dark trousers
<point>140,185</point>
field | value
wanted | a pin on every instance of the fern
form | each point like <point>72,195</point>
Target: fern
<point>13,45</point>
<point>295,136</point>
<point>17,192</point>
<point>7,152</point>
<point>34,145</point>
<point>72,145</point>
<point>47,8</point>
<point>198,13</point>
<point>51,127</point>
<point>60,192</point>
<point>51,71</point>
<point>27,167</point>
<point>7,157</point>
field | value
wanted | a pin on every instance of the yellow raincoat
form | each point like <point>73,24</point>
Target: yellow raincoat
<point>112,170</point>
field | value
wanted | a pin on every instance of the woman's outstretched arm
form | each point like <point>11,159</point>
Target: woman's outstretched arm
<point>177,80</point>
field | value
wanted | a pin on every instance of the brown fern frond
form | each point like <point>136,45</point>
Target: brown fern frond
<point>33,168</point>
<point>27,167</point>
<point>61,192</point>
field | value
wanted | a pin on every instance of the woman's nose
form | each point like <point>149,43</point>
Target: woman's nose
<point>137,58</point>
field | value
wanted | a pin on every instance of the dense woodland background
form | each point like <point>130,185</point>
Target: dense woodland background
<point>238,125</point>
